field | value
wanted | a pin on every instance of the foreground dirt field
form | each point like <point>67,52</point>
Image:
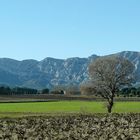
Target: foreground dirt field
<point>72,127</point>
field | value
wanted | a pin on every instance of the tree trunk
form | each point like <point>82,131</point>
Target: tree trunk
<point>109,107</point>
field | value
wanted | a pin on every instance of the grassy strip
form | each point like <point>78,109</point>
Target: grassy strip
<point>17,109</point>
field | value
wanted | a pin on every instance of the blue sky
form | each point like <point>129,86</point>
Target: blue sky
<point>67,28</point>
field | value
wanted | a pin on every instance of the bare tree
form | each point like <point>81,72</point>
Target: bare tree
<point>87,89</point>
<point>108,75</point>
<point>72,90</point>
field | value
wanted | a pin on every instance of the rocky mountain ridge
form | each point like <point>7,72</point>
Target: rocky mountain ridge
<point>50,72</point>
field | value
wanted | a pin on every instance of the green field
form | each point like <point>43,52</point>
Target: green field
<point>66,107</point>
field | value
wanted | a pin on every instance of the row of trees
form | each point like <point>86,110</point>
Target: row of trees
<point>69,90</point>
<point>130,92</point>
<point>124,92</point>
<point>17,91</point>
<point>5,90</point>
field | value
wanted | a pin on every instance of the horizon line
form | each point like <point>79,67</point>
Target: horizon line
<point>65,58</point>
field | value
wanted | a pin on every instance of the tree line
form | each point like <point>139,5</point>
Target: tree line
<point>130,92</point>
<point>5,90</point>
<point>60,90</point>
<point>71,90</point>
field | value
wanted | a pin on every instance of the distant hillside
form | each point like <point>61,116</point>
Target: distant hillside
<point>50,71</point>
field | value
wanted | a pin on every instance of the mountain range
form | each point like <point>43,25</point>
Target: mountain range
<point>51,72</point>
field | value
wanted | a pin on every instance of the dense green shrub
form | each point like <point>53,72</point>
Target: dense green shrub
<point>130,92</point>
<point>45,91</point>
